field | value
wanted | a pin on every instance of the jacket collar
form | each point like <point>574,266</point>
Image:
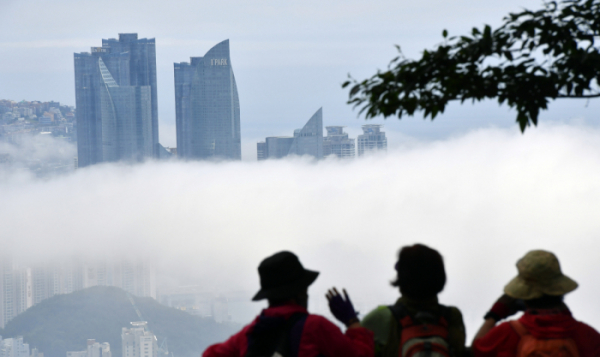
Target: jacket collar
<point>284,310</point>
<point>417,303</point>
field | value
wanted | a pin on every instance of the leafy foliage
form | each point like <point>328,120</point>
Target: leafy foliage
<point>65,322</point>
<point>534,57</point>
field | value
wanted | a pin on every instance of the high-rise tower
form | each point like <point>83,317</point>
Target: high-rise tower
<point>115,92</point>
<point>207,107</point>
<point>337,143</point>
<point>372,139</point>
<point>7,296</point>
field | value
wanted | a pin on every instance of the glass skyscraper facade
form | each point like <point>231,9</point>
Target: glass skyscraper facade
<point>207,107</point>
<point>115,93</point>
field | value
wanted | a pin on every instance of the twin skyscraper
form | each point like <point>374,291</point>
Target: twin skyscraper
<point>117,109</point>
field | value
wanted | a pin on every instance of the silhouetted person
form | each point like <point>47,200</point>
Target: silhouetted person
<point>417,324</point>
<point>286,328</point>
<point>547,327</point>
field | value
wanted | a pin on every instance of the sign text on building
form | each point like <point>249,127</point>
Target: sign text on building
<point>218,61</point>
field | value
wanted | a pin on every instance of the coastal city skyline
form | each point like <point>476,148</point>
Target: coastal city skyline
<point>276,75</point>
<point>117,119</point>
<point>153,154</point>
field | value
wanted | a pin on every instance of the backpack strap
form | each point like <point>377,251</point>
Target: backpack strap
<point>399,311</point>
<point>276,336</point>
<point>295,332</point>
<point>446,313</point>
<point>518,327</point>
<point>289,341</point>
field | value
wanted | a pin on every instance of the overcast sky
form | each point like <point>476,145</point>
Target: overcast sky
<point>289,57</point>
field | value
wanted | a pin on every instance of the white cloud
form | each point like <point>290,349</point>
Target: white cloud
<point>483,200</point>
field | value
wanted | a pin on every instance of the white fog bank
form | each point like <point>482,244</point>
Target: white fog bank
<point>483,200</point>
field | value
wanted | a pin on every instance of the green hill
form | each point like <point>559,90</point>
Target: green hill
<point>65,322</point>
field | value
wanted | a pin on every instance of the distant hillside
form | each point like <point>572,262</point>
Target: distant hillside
<point>64,323</point>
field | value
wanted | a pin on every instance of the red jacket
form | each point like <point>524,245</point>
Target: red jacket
<point>319,337</point>
<point>502,340</point>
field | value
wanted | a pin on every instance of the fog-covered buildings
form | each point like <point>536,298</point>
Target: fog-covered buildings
<point>274,147</point>
<point>116,99</point>
<point>8,306</point>
<point>207,107</point>
<point>372,139</point>
<point>24,286</point>
<point>197,301</point>
<point>306,141</point>
<point>337,143</point>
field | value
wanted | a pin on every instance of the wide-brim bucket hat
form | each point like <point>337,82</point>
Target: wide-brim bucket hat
<point>539,275</point>
<point>282,276</point>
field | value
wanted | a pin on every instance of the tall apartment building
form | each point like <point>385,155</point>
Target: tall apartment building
<point>207,107</point>
<point>22,280</point>
<point>135,277</point>
<point>138,341</point>
<point>337,143</point>
<point>306,141</point>
<point>7,291</point>
<point>372,139</point>
<point>116,98</point>
<point>261,151</point>
<point>13,347</point>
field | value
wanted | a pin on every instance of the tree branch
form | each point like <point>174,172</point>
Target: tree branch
<point>579,96</point>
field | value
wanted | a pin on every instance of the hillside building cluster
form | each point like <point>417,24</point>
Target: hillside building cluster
<point>22,119</point>
<point>22,287</point>
<point>94,349</point>
<point>136,341</point>
<point>14,347</point>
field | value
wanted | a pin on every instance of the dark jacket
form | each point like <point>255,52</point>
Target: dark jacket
<point>319,337</point>
<point>503,340</point>
<point>387,332</point>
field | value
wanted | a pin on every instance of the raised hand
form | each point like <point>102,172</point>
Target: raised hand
<point>341,307</point>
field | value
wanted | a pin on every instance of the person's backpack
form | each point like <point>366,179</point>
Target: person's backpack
<point>530,346</point>
<point>276,336</point>
<point>422,334</point>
